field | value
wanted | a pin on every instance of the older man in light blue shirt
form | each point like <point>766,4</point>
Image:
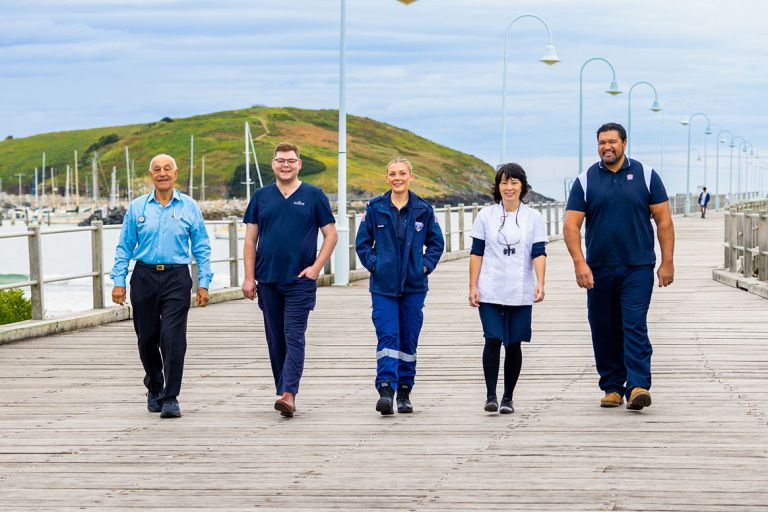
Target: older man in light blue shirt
<point>159,231</point>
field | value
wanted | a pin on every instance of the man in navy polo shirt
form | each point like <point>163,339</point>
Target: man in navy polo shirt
<point>282,265</point>
<point>618,196</point>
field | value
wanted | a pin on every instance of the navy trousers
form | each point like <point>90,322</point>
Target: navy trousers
<point>286,308</point>
<point>160,302</point>
<point>618,308</point>
<point>398,322</point>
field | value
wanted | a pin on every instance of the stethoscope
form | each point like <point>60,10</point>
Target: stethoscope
<point>142,217</point>
<point>509,249</point>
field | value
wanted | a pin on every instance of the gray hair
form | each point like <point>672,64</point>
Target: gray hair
<point>161,155</point>
<point>401,160</point>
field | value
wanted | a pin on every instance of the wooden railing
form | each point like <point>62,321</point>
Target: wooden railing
<point>746,239</point>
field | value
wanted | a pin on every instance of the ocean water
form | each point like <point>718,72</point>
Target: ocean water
<point>70,253</point>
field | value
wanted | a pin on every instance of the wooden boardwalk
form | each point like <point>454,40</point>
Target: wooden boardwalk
<point>75,434</point>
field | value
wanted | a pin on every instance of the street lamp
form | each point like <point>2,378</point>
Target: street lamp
<point>655,107</point>
<point>550,57</point>
<point>688,168</point>
<point>738,163</point>
<point>341,254</point>
<point>613,90</point>
<point>719,141</point>
<point>684,121</point>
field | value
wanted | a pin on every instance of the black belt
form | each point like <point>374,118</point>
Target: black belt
<point>160,267</point>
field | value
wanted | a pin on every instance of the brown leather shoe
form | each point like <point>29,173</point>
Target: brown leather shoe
<point>286,404</point>
<point>639,398</point>
<point>612,399</point>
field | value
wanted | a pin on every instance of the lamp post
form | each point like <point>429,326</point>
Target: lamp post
<point>683,121</point>
<point>738,164</point>
<point>613,90</point>
<point>655,107</point>
<point>688,168</point>
<point>550,57</point>
<point>719,141</point>
<point>746,166</point>
<point>341,254</point>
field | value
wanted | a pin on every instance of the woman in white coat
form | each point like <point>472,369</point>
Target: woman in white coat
<point>506,277</point>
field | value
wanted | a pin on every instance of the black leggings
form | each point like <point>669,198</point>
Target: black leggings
<point>513,361</point>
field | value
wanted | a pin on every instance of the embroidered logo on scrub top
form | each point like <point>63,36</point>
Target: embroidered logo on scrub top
<point>419,226</point>
<point>630,177</point>
<point>298,203</point>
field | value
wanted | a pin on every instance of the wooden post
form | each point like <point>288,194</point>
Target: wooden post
<point>474,212</point>
<point>352,236</point>
<point>447,228</point>
<point>557,217</point>
<point>234,279</point>
<point>748,243</point>
<point>733,241</point>
<point>461,226</point>
<point>549,219</point>
<point>97,263</point>
<point>745,229</point>
<point>726,239</point>
<point>195,277</point>
<point>36,273</point>
<point>762,244</point>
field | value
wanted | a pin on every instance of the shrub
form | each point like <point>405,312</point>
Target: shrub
<point>14,307</point>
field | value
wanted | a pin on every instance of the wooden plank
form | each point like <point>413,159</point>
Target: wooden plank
<point>74,432</point>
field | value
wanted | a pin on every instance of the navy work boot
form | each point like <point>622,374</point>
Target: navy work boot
<point>154,403</point>
<point>404,405</point>
<point>171,408</point>
<point>384,404</point>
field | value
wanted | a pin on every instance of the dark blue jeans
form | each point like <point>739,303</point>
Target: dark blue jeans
<point>398,322</point>
<point>286,308</point>
<point>618,308</point>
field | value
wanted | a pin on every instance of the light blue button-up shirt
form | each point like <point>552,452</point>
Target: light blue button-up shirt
<point>155,234</point>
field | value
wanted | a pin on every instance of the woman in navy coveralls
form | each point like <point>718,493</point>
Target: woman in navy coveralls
<point>400,243</point>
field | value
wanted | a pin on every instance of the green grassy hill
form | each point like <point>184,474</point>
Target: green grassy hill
<point>441,172</point>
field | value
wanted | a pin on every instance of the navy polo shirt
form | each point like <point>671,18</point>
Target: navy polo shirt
<point>287,230</point>
<point>617,212</point>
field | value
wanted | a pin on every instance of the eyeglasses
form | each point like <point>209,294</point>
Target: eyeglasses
<point>501,238</point>
<point>289,161</point>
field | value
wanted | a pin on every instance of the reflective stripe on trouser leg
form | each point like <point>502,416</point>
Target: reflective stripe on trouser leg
<point>607,335</point>
<point>384,315</point>
<point>411,317</point>
<point>636,291</point>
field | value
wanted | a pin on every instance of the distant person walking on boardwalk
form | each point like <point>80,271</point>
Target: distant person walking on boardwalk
<point>282,265</point>
<point>508,248</point>
<point>400,242</point>
<point>704,198</point>
<point>618,196</point>
<point>159,229</point>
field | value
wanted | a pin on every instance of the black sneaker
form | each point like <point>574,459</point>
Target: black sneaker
<point>154,402</point>
<point>171,408</point>
<point>491,405</point>
<point>404,405</point>
<point>384,404</point>
<point>506,406</point>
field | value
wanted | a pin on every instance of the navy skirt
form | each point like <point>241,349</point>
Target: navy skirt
<point>510,324</point>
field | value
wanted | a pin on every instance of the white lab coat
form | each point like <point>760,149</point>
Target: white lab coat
<point>508,279</point>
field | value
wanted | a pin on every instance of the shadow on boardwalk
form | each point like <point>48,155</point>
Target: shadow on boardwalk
<point>74,433</point>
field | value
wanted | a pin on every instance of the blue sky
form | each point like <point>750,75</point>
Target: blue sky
<point>433,67</point>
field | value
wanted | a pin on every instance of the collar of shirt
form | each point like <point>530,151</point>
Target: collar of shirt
<point>626,165</point>
<point>175,197</point>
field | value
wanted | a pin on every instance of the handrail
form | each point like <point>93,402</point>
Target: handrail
<point>745,241</point>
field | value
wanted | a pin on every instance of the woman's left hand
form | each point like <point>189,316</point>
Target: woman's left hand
<point>538,292</point>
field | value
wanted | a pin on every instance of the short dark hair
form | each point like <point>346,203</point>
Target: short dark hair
<point>506,172</point>
<point>284,147</point>
<point>705,189</point>
<point>609,127</point>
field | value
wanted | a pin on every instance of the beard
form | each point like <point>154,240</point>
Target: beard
<point>612,158</point>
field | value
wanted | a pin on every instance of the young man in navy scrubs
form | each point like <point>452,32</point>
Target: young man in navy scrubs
<point>618,196</point>
<point>282,264</point>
